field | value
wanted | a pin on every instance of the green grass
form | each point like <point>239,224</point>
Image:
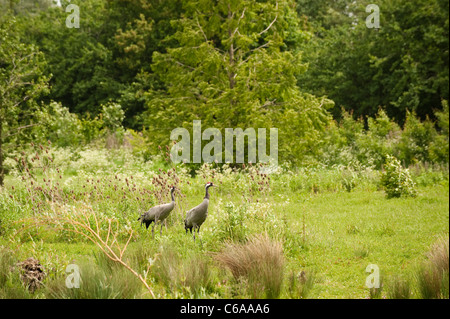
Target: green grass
<point>328,233</point>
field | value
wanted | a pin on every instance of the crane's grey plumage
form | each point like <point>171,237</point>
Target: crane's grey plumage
<point>158,213</point>
<point>197,215</point>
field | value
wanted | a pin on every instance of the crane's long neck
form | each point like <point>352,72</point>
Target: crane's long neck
<point>206,194</point>
<point>171,194</point>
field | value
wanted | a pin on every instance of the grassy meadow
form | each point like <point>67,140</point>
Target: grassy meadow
<point>290,233</point>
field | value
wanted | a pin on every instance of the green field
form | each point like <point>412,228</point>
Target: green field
<point>329,232</point>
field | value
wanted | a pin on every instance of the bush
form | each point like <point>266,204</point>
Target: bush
<point>112,116</point>
<point>439,148</point>
<point>232,223</point>
<point>396,180</point>
<point>60,126</point>
<point>416,140</point>
<point>378,140</point>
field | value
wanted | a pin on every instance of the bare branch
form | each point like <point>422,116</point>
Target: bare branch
<point>239,20</point>
<point>80,225</point>
<point>21,128</point>
<point>200,27</point>
<point>270,25</point>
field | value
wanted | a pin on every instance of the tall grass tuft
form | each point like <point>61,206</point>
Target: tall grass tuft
<point>399,288</point>
<point>104,279</point>
<point>300,284</point>
<point>433,275</point>
<point>259,261</point>
<point>197,275</point>
<point>6,263</point>
<point>190,275</point>
<point>166,267</point>
<point>11,284</point>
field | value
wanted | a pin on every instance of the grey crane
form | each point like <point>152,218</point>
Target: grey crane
<point>158,213</point>
<point>197,215</point>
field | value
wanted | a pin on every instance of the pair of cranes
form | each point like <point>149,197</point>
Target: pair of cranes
<point>195,217</point>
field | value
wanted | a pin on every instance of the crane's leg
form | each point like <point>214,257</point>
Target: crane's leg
<point>198,234</point>
<point>160,232</point>
<point>153,228</point>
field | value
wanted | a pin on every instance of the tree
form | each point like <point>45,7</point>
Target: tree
<point>234,64</point>
<point>81,60</point>
<point>108,58</point>
<point>21,82</point>
<point>401,66</point>
<point>24,6</point>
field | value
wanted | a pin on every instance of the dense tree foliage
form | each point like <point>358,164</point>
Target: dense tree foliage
<point>401,66</point>
<point>231,68</point>
<point>21,83</point>
<point>337,90</point>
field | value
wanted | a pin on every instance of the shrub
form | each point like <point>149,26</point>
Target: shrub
<point>60,125</point>
<point>112,115</point>
<point>415,142</point>
<point>396,180</point>
<point>260,262</point>
<point>378,140</point>
<point>231,225</point>
<point>439,148</point>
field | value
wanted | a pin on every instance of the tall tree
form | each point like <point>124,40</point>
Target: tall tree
<point>401,66</point>
<point>21,82</point>
<point>235,65</point>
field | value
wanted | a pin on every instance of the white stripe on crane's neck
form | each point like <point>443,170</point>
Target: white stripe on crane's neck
<point>207,193</point>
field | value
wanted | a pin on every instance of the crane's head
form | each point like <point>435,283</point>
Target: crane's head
<point>172,189</point>
<point>209,184</point>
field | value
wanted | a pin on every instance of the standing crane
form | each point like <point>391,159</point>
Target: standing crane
<point>158,213</point>
<point>197,215</point>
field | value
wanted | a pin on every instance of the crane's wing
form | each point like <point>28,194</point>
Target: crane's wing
<point>197,215</point>
<point>153,213</point>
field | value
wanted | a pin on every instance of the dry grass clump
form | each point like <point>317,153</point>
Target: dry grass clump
<point>433,275</point>
<point>259,261</point>
<point>438,255</point>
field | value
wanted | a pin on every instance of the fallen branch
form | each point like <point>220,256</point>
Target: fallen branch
<point>81,224</point>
